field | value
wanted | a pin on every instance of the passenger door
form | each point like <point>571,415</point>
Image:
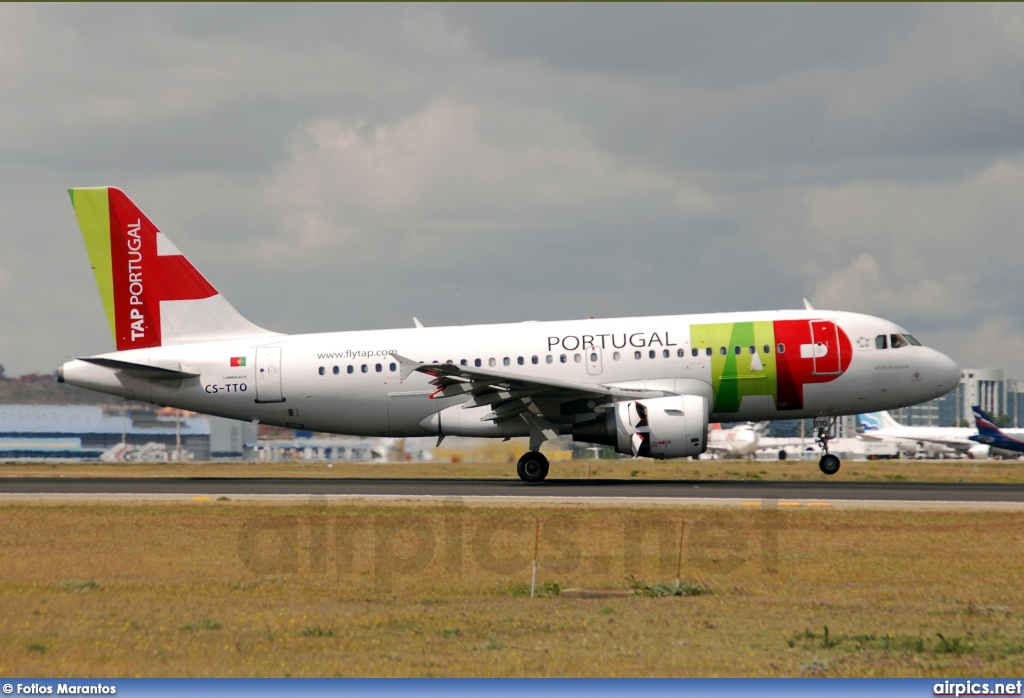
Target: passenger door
<point>268,374</point>
<point>825,340</point>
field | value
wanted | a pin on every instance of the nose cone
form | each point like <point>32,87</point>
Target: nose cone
<point>947,374</point>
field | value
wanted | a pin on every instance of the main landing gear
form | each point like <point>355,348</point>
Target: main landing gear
<point>826,427</point>
<point>532,467</point>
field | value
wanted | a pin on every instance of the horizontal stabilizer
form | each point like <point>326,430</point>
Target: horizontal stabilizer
<point>141,370</point>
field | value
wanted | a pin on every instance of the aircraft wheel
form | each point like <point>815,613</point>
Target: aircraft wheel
<point>829,464</point>
<point>532,467</point>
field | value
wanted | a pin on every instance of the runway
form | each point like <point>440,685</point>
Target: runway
<point>636,491</point>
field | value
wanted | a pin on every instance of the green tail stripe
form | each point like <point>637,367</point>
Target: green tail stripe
<point>92,208</point>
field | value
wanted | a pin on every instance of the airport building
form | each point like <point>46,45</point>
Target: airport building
<point>89,432</point>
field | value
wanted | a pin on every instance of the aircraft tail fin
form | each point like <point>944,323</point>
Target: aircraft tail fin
<point>877,421</point>
<point>986,427</point>
<point>151,293</point>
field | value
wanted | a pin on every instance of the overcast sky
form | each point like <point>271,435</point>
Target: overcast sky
<point>333,167</point>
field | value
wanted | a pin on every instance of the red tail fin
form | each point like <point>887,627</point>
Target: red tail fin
<point>151,292</point>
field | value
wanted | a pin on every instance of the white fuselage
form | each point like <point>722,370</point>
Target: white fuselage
<point>350,382</point>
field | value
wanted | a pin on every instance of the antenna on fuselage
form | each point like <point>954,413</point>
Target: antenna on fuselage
<point>807,305</point>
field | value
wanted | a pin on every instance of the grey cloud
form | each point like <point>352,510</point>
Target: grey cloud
<point>698,43</point>
<point>594,160</point>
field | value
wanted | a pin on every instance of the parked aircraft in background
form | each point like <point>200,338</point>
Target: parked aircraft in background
<point>932,442</point>
<point>647,386</point>
<point>999,441</point>
<point>739,441</point>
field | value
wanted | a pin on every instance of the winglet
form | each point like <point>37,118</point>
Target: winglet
<point>407,366</point>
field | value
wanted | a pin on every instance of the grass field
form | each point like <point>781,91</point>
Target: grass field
<point>626,468</point>
<point>224,588</point>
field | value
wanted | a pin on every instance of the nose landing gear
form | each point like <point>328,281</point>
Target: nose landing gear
<point>826,428</point>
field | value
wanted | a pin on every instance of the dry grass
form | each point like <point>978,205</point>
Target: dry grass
<point>356,589</point>
<point>626,468</point>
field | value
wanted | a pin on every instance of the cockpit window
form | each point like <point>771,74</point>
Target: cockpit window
<point>911,339</point>
<point>880,342</point>
<point>898,341</point>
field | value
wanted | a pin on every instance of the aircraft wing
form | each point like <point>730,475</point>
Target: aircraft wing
<point>536,400</point>
<point>454,379</point>
<point>509,394</point>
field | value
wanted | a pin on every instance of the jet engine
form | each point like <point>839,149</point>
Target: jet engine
<point>979,451</point>
<point>664,427</point>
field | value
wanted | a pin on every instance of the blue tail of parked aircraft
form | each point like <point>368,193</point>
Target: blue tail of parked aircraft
<point>989,433</point>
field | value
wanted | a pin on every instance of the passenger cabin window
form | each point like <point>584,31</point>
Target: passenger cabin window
<point>881,342</point>
<point>680,353</point>
<point>463,362</point>
<point>767,349</point>
<point>722,351</point>
<point>491,362</point>
<point>477,362</point>
<point>350,368</point>
<point>616,355</point>
<point>737,350</point>
<point>322,370</point>
<point>896,341</point>
<point>652,353</point>
<point>637,355</point>
<point>506,361</point>
<point>378,368</point>
<point>534,360</point>
<point>337,370</point>
<point>549,358</point>
<point>593,357</point>
<point>562,358</point>
<point>393,367</point>
<point>364,368</point>
<point>752,349</point>
<point>520,361</point>
<point>781,348</point>
<point>577,358</point>
<point>695,351</point>
<point>665,353</point>
<point>708,351</point>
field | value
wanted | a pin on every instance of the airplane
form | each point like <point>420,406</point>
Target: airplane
<point>647,386</point>
<point>736,442</point>
<point>999,441</point>
<point>934,441</point>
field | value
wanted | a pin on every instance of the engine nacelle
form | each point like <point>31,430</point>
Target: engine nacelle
<point>664,427</point>
<point>979,452</point>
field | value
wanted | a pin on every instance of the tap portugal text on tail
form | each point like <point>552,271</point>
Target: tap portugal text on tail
<point>646,386</point>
